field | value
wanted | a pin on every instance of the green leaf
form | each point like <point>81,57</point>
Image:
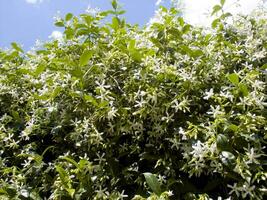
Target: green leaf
<point>39,69</point>
<point>68,16</point>
<point>3,192</point>
<point>90,99</point>
<point>222,142</point>
<point>64,177</point>
<point>114,4</point>
<point>243,88</point>
<point>186,28</point>
<point>70,160</point>
<point>115,23</point>
<point>11,192</point>
<point>234,78</point>
<point>77,72</point>
<point>71,191</point>
<point>59,23</point>
<point>121,12</point>
<point>225,15</point>
<point>216,8</point>
<point>233,127</point>
<point>264,66</point>
<point>35,196</point>
<point>153,183</point>
<point>16,47</point>
<point>222,2</point>
<point>227,158</point>
<point>85,57</point>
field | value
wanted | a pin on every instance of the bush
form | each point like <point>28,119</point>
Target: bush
<point>114,111</point>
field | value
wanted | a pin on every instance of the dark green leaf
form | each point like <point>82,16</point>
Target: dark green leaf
<point>264,66</point>
<point>222,142</point>
<point>153,183</point>
<point>227,158</point>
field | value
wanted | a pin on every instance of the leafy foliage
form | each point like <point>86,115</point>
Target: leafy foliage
<point>115,111</point>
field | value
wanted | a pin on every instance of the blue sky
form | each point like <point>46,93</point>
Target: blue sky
<point>24,21</point>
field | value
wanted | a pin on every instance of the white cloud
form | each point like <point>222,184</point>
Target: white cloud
<point>56,35</point>
<point>197,12</point>
<point>34,1</point>
<point>159,2</point>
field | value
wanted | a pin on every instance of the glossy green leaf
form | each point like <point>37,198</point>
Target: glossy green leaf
<point>91,99</point>
<point>68,16</point>
<point>16,47</point>
<point>153,183</point>
<point>244,89</point>
<point>85,57</point>
<point>233,127</point>
<point>59,23</point>
<point>40,68</point>
<point>216,9</point>
<point>115,23</point>
<point>64,177</point>
<point>114,4</point>
<point>227,158</point>
<point>234,78</point>
<point>222,142</point>
<point>71,192</point>
<point>264,66</point>
<point>70,160</point>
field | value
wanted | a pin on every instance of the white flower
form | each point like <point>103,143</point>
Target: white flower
<point>258,84</point>
<point>227,95</point>
<point>92,11</point>
<point>112,113</point>
<point>247,190</point>
<point>57,16</point>
<point>183,133</point>
<point>159,2</point>
<point>158,17</point>
<point>56,35</point>
<point>100,158</point>
<point>199,150</point>
<point>122,195</point>
<point>183,105</point>
<point>208,94</point>
<point>169,193</point>
<point>215,111</point>
<point>235,189</point>
<point>252,156</point>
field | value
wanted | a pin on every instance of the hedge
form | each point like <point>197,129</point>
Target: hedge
<point>117,111</point>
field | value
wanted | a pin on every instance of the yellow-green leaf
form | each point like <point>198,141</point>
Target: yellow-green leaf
<point>16,47</point>
<point>85,57</point>
<point>234,78</point>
